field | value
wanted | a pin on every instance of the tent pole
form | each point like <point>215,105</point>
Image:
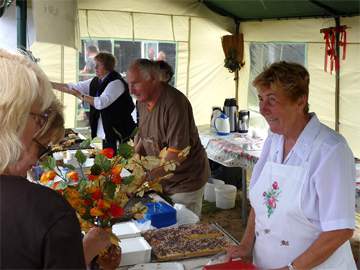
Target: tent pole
<point>21,17</point>
<point>236,78</point>
<point>337,76</point>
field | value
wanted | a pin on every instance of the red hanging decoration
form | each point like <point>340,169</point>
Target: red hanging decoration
<point>330,46</point>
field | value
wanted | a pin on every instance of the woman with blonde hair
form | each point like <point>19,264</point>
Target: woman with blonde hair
<point>38,228</point>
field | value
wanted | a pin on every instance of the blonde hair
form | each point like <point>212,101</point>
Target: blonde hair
<point>23,84</point>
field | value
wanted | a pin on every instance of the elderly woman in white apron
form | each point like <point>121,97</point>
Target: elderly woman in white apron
<point>302,190</point>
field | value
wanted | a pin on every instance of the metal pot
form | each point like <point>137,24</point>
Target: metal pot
<point>244,118</point>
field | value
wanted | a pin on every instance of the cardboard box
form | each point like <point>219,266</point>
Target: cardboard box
<point>126,230</point>
<point>134,251</point>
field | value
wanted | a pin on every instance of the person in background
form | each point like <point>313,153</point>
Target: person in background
<point>86,73</point>
<point>166,120</point>
<point>166,72</point>
<point>302,188</point>
<point>91,52</point>
<point>161,56</point>
<point>38,228</point>
<point>110,102</point>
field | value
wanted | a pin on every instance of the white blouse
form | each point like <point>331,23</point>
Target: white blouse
<point>328,195</point>
<point>111,92</point>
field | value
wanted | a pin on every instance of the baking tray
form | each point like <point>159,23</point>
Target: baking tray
<point>156,256</point>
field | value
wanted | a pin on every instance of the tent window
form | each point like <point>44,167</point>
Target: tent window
<point>264,54</point>
<point>125,52</point>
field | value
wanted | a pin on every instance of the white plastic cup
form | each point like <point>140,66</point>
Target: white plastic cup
<point>58,155</point>
<point>225,196</point>
<point>209,192</point>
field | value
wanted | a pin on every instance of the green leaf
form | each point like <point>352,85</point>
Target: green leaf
<point>126,150</point>
<point>103,162</point>
<point>85,144</point>
<point>128,179</point>
<point>82,184</point>
<point>95,169</point>
<point>109,189</point>
<point>49,163</point>
<point>61,185</point>
<point>80,157</point>
<point>69,166</point>
<point>134,132</point>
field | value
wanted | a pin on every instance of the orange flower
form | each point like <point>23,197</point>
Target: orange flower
<point>116,170</point>
<point>107,152</point>
<point>72,193</point>
<point>116,211</point>
<point>74,176</point>
<point>47,176</point>
<point>96,212</point>
<point>103,204</point>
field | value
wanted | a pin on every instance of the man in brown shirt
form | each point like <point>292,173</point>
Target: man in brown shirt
<point>166,120</point>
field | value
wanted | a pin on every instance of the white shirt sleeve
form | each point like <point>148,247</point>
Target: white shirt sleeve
<point>259,165</point>
<point>334,182</point>
<point>83,86</point>
<point>112,92</point>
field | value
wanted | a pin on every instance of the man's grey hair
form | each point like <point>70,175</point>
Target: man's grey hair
<point>148,69</point>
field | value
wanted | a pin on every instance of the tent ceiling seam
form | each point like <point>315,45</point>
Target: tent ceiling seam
<point>133,26</point>
<point>189,57</point>
<point>172,27</point>
<point>139,12</point>
<point>87,24</point>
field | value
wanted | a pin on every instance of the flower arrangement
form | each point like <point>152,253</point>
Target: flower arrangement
<point>99,194</point>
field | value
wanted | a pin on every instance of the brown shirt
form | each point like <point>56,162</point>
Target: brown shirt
<point>170,123</point>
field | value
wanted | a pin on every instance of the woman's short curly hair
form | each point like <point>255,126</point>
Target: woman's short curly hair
<point>107,59</point>
<point>291,78</point>
<point>23,84</point>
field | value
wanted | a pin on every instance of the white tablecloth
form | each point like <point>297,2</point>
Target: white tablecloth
<point>233,150</point>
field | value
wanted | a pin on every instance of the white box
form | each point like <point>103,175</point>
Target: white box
<point>134,251</point>
<point>125,230</point>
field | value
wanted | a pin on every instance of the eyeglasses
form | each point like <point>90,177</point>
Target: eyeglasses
<point>40,118</point>
<point>43,150</point>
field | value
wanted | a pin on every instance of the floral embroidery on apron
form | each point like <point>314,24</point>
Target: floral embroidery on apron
<point>284,243</point>
<point>271,197</point>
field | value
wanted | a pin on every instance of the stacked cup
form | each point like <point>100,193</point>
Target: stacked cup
<point>225,196</point>
<point>209,192</point>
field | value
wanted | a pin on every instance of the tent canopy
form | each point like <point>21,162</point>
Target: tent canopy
<point>246,10</point>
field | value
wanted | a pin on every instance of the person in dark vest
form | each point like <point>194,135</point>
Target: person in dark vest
<point>110,102</point>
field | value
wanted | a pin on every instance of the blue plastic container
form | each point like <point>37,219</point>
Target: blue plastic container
<point>161,214</point>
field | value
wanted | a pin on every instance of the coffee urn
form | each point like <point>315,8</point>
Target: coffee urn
<point>230,109</point>
<point>244,117</point>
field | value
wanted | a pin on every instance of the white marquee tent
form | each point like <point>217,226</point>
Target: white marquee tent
<point>197,32</point>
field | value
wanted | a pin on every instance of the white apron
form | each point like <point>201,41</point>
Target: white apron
<point>282,231</point>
